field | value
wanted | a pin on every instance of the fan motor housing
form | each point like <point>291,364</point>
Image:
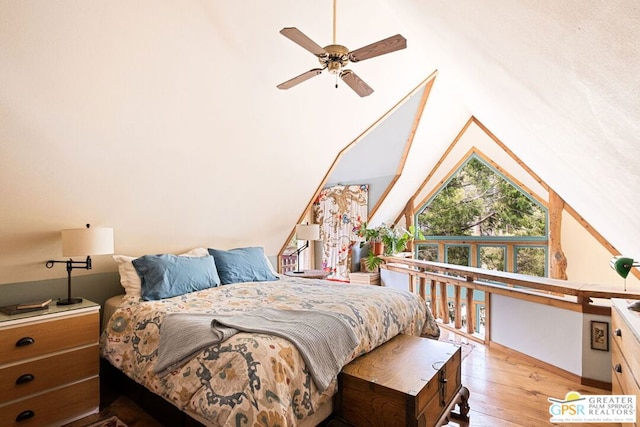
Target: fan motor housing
<point>337,57</point>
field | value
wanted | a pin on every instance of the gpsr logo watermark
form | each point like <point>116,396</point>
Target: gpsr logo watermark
<point>575,408</point>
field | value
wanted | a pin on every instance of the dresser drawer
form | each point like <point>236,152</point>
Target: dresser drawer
<point>623,374</point>
<point>20,380</point>
<point>52,408</point>
<point>627,343</point>
<point>625,352</point>
<point>42,337</point>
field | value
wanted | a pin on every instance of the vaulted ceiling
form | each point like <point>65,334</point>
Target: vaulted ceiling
<point>163,120</point>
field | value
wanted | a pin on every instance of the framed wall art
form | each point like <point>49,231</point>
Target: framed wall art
<point>599,335</point>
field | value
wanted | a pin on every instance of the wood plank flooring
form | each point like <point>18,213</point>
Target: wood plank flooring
<point>508,391</point>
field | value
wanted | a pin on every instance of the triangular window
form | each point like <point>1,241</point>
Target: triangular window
<point>481,218</point>
<point>479,201</point>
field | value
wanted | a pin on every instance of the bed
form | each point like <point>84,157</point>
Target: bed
<point>251,377</point>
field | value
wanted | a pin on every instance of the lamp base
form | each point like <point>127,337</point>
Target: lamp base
<point>69,301</point>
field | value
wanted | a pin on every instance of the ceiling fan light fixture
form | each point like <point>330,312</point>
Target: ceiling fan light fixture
<point>335,57</point>
<point>334,67</point>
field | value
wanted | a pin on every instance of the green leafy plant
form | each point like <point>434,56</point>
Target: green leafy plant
<point>394,239</point>
<point>368,234</point>
<point>373,261</point>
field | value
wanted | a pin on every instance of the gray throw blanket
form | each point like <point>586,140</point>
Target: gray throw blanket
<point>324,340</point>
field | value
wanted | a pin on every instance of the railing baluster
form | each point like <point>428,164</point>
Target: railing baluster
<point>444,304</point>
<point>433,298</point>
<point>471,309</point>
<point>456,307</point>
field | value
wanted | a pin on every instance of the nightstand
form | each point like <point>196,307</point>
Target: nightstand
<point>309,274</point>
<point>49,365</point>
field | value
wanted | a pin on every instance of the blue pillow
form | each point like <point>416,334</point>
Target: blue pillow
<point>165,276</point>
<point>242,265</point>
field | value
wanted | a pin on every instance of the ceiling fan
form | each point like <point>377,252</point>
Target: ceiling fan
<point>335,57</point>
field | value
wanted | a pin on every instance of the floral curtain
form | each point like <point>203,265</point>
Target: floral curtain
<point>340,210</point>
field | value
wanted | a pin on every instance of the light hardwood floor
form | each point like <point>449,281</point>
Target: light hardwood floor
<point>509,391</point>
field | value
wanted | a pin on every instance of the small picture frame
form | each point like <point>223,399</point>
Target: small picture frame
<point>599,335</point>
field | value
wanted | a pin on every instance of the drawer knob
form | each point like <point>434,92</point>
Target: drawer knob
<point>25,341</point>
<point>618,368</point>
<point>26,378</point>
<point>618,332</point>
<point>25,415</point>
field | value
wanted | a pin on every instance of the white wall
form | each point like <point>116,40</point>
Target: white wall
<point>547,333</point>
<point>163,121</point>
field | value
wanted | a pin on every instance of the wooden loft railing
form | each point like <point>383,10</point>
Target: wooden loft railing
<point>438,279</point>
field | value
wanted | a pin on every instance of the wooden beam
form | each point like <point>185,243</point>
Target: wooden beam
<point>557,258</point>
<point>409,212</point>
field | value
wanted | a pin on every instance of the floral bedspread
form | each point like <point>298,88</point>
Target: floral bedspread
<point>256,379</point>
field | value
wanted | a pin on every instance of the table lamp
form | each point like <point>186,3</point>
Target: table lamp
<point>306,232</point>
<point>622,266</point>
<point>79,242</point>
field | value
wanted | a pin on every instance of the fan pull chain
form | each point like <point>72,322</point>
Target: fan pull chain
<point>336,80</point>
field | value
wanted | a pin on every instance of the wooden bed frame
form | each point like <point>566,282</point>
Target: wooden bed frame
<point>114,383</point>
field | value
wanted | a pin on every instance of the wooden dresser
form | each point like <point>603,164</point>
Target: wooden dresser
<point>408,381</point>
<point>625,354</point>
<point>49,365</point>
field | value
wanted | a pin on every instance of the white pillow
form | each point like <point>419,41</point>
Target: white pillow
<point>273,270</point>
<point>129,278</point>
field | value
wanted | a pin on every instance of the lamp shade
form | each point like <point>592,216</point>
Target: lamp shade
<point>308,231</point>
<point>622,265</point>
<point>87,241</point>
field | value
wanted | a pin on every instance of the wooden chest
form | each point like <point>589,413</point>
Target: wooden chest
<point>408,381</point>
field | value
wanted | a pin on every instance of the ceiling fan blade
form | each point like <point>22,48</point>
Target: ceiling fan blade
<point>297,36</point>
<point>356,83</point>
<point>388,45</point>
<point>301,78</point>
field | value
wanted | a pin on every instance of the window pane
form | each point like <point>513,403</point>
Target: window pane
<point>492,257</point>
<point>531,261</point>
<point>428,252</point>
<point>458,255</point>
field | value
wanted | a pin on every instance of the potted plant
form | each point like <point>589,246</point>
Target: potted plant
<point>393,240</point>
<point>372,236</point>
<point>396,238</point>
